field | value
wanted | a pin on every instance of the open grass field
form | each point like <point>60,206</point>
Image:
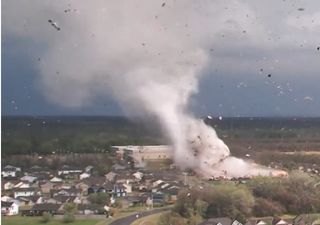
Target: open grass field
<point>19,220</point>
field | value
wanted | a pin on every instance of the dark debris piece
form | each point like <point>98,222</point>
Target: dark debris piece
<point>318,48</point>
<point>163,4</point>
<point>269,75</point>
<point>301,9</point>
<point>54,24</point>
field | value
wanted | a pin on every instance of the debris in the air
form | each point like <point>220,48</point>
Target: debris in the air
<point>209,117</point>
<point>163,4</point>
<point>269,75</point>
<point>308,98</point>
<point>54,24</point>
<point>143,44</point>
<point>318,48</point>
<point>261,69</point>
<point>247,155</point>
<point>301,9</point>
<point>220,117</point>
<point>39,59</point>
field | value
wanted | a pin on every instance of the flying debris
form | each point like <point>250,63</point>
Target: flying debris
<point>308,98</point>
<point>301,9</point>
<point>318,48</point>
<point>269,75</point>
<point>163,4</point>
<point>220,117</point>
<point>209,117</point>
<point>247,155</point>
<point>54,24</point>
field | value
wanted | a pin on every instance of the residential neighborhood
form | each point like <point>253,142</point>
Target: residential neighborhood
<point>33,191</point>
<point>38,190</point>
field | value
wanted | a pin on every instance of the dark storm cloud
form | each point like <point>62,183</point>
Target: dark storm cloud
<point>243,38</point>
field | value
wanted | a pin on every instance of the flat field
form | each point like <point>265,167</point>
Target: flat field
<point>19,220</point>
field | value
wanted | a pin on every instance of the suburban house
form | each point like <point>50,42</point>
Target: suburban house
<point>27,178</point>
<point>111,176</point>
<point>138,175</point>
<point>56,180</point>
<point>84,175</point>
<point>10,171</point>
<point>9,208</point>
<point>9,185</point>
<point>306,219</point>
<point>218,221</point>
<point>68,192</point>
<point>39,209</point>
<point>46,187</point>
<point>25,192</point>
<point>66,170</point>
<point>31,200</point>
<point>22,184</point>
<point>158,198</point>
<point>88,169</point>
<point>279,221</point>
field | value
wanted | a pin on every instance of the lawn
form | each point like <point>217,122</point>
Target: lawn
<point>19,220</point>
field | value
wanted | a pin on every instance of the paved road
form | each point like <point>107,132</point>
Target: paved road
<point>129,219</point>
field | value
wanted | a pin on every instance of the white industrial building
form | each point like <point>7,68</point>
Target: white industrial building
<point>140,154</point>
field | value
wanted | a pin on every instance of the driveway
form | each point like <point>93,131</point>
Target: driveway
<point>129,219</point>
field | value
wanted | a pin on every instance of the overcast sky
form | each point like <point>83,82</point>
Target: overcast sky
<point>263,56</point>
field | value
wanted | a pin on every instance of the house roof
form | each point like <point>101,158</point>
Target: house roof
<point>6,204</point>
<point>63,198</point>
<point>25,189</point>
<point>133,199</point>
<point>279,221</point>
<point>28,178</point>
<point>94,180</point>
<point>306,219</point>
<point>259,221</point>
<point>67,167</point>
<point>46,207</point>
<point>10,168</point>
<point>28,198</point>
<point>217,221</point>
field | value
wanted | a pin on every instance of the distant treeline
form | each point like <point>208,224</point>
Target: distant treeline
<point>84,134</point>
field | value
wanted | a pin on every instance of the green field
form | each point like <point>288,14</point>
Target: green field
<point>18,220</point>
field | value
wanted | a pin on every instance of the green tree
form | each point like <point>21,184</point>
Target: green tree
<point>70,209</point>
<point>99,198</point>
<point>46,217</point>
